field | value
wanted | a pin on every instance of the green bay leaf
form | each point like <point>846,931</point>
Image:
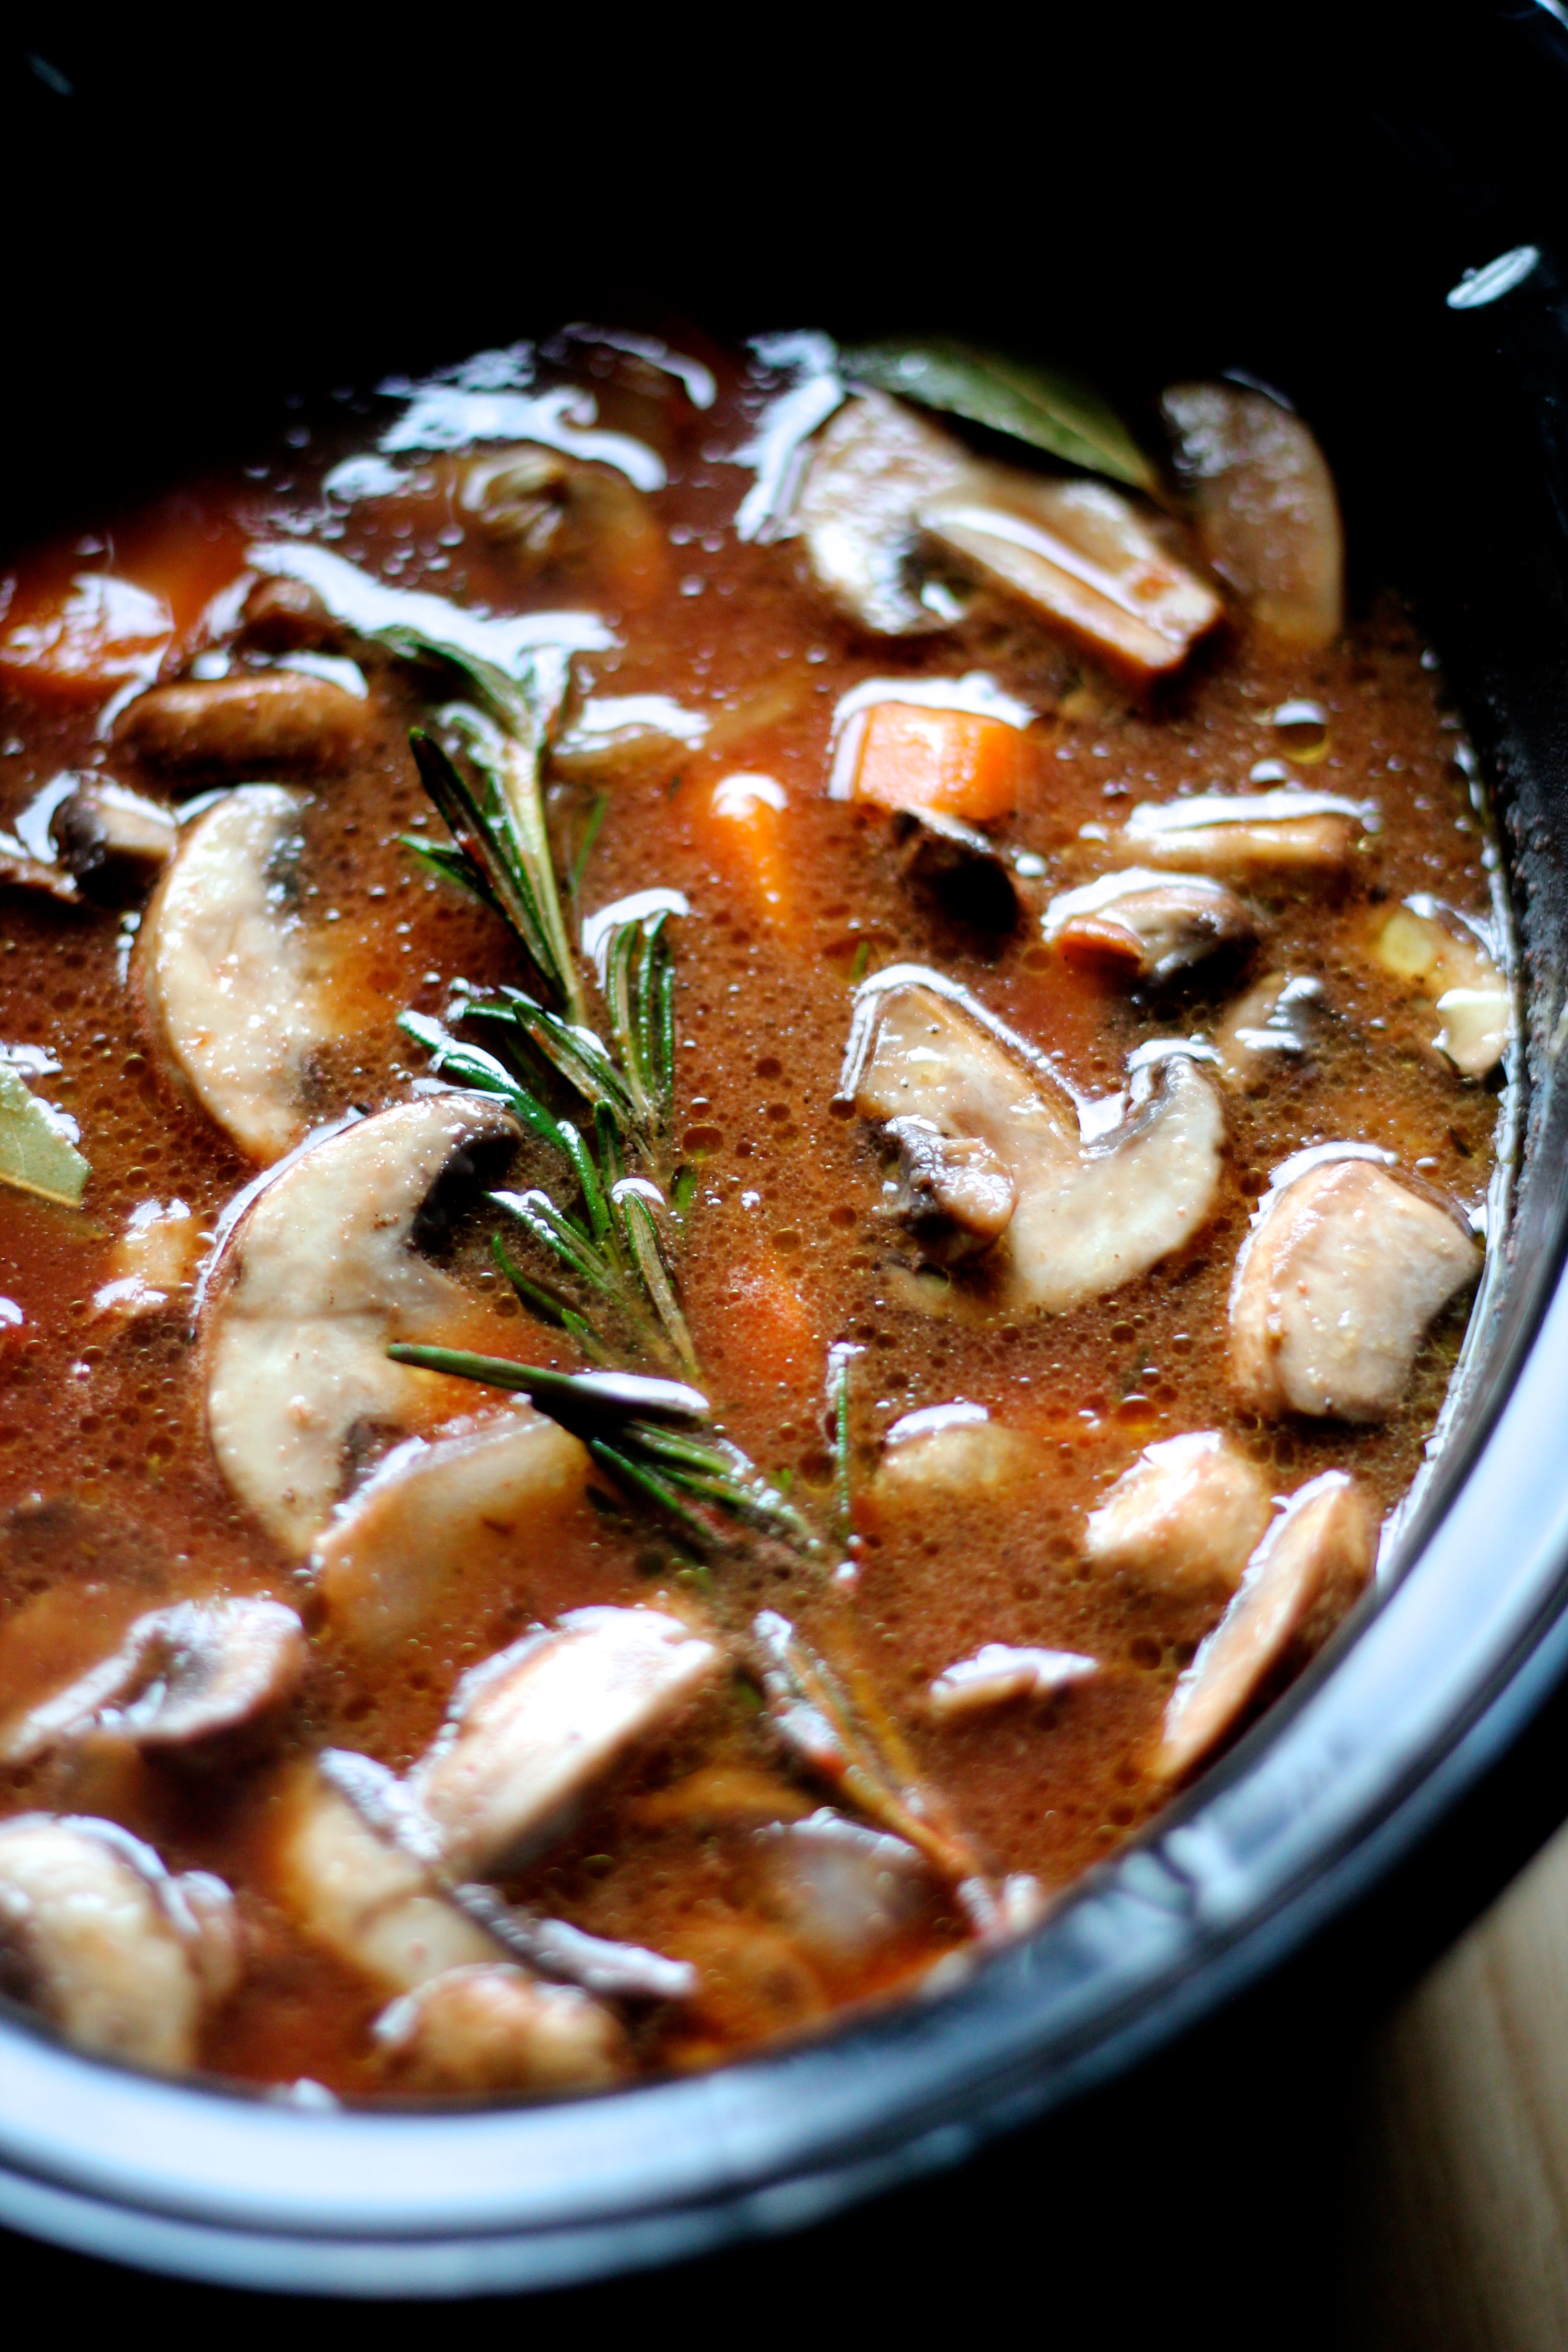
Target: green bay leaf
<point>34,1155</point>
<point>1043,406</point>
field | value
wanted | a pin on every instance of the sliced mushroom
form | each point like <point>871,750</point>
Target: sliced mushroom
<point>1335,1285</point>
<point>1082,558</point>
<point>1090,1215</point>
<point>321,1273</point>
<point>1303,1576</point>
<point>479,1493</point>
<point>1187,1514</point>
<point>960,871</point>
<point>549,506</point>
<point>999,1675</point>
<point>517,496</point>
<point>1274,1026</point>
<point>948,1450</point>
<point>365,1899</point>
<point>1265,505</point>
<point>1153,925</point>
<point>1430,945</point>
<point>253,719</point>
<point>886,492</point>
<point>98,1938</point>
<point>534,1733</point>
<point>155,1257</point>
<point>615,737</point>
<point>1287,835</point>
<point>202,1680</point>
<point>234,986</point>
<point>18,866</point>
<point>283,615</point>
<point>114,842</point>
<point>873,464</point>
<point>492,2027</point>
<point>950,1190</point>
<point>840,1891</point>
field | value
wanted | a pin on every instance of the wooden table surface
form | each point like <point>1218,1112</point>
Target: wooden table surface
<point>1462,2138</point>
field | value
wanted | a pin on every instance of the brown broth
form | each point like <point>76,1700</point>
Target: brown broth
<point>111,1502</point>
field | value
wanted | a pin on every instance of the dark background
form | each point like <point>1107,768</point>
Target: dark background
<point>193,227</point>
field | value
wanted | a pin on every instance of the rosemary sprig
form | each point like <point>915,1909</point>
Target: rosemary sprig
<point>653,1439</point>
<point>840,1356</point>
<point>614,1245</point>
<point>823,1726</point>
<point>501,846</point>
<point>633,1077</point>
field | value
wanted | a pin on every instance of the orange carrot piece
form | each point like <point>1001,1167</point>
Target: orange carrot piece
<point>748,817</point>
<point>87,638</point>
<point>768,1343</point>
<point>953,763</point>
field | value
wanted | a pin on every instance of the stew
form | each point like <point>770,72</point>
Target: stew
<point>751,1101</point>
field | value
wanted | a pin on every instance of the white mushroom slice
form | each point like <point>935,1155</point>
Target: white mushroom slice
<point>965,875</point>
<point>1156,925</point>
<point>1187,1516</point>
<point>569,509</point>
<point>839,1890</point>
<point>155,1257</point>
<point>533,1733</point>
<point>193,1681</point>
<point>998,1676</point>
<point>356,1893</point>
<point>1335,1285</point>
<point>952,1191</point>
<point>254,719</point>
<point>948,1450</point>
<point>233,984</point>
<point>1428,944</point>
<point>1287,835</point>
<point>495,2027</point>
<point>322,1273</point>
<point>1303,1576</point>
<point>98,1938</point>
<point>1082,556</point>
<point>1273,1027</point>
<point>115,842</point>
<point>1088,1215</point>
<point>615,737</point>
<point>872,466</point>
<point>477,1496</point>
<point>1266,509</point>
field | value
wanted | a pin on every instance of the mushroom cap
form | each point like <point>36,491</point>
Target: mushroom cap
<point>492,2027</point>
<point>1189,1512</point>
<point>535,1731</point>
<point>1266,509</point>
<point>1334,1287</point>
<point>1088,1216</point>
<point>1302,1577</point>
<point>95,1934</point>
<point>186,1681</point>
<point>227,974</point>
<point>321,1273</point>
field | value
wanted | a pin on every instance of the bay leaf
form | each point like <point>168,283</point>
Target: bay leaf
<point>1043,406</point>
<point>35,1155</point>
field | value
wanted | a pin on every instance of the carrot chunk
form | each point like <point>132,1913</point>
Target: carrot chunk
<point>747,813</point>
<point>951,762</point>
<point>87,638</point>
